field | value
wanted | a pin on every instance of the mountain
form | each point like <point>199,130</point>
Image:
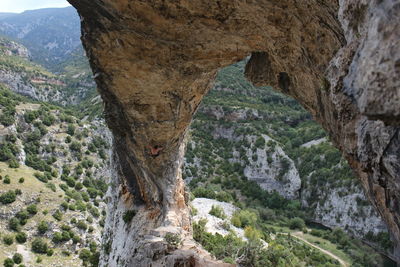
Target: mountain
<point>72,84</point>
<point>4,15</point>
<point>51,34</point>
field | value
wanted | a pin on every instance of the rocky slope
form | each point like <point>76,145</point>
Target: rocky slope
<point>20,74</point>
<point>167,66</point>
<point>54,174</point>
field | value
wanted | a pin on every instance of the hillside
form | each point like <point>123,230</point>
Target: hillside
<point>52,34</point>
<point>70,86</point>
<point>53,174</point>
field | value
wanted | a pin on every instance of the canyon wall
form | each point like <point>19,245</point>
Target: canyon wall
<point>153,61</point>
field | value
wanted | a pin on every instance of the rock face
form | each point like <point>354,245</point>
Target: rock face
<point>349,211</point>
<point>273,170</point>
<point>155,60</point>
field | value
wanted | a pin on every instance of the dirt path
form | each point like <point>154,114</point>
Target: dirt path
<point>342,262</point>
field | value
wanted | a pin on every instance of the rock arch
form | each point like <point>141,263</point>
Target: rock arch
<point>154,60</point>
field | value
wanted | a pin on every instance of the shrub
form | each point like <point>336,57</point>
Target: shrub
<point>7,180</point>
<point>57,238</point>
<point>84,255</point>
<point>296,223</point>
<point>43,227</point>
<point>48,119</point>
<point>128,216</point>
<point>71,129</point>
<point>21,237</point>
<point>76,239</point>
<point>30,116</point>
<point>78,186</point>
<point>32,209</point>
<point>39,246</point>
<point>80,205</point>
<point>57,215</point>
<point>50,252</point>
<point>13,163</point>
<point>173,240</point>
<point>252,234</point>
<point>260,142</point>
<point>75,146</point>
<point>244,218</point>
<point>8,197</point>
<point>17,258</point>
<point>217,211</point>
<point>14,224</point>
<point>51,186</point>
<point>8,240</point>
<point>21,180</point>
<point>70,182</point>
<point>8,262</point>
<point>81,225</point>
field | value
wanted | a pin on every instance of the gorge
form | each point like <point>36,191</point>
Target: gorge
<point>153,61</point>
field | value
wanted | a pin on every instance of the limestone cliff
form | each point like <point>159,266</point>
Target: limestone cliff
<point>154,61</point>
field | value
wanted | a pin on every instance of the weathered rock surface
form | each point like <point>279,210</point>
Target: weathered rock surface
<point>154,61</point>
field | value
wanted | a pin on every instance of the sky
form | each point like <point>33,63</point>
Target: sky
<point>18,6</point>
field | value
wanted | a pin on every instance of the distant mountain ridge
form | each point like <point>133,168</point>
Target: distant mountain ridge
<point>4,15</point>
<point>54,29</point>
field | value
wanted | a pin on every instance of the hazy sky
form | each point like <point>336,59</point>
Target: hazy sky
<point>22,5</point>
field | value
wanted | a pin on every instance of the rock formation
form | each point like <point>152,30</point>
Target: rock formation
<point>154,61</point>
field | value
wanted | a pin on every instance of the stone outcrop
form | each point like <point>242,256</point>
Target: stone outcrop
<point>154,61</point>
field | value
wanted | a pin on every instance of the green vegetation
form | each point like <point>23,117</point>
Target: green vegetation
<point>39,246</point>
<point>221,148</point>
<point>283,251</point>
<point>21,237</point>
<point>128,216</point>
<point>42,227</point>
<point>8,262</point>
<point>297,223</point>
<point>217,211</point>
<point>82,189</point>
<point>17,258</point>
<point>173,240</point>
<point>8,240</point>
<point>8,197</point>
